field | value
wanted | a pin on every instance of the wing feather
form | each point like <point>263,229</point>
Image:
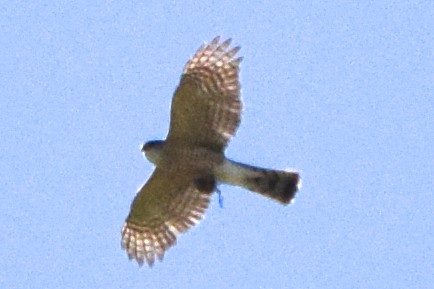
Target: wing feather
<point>167,205</point>
<point>206,106</point>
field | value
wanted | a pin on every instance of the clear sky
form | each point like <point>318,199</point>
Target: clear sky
<point>342,92</point>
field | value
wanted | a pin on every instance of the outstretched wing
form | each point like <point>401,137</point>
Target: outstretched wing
<point>167,205</point>
<point>206,106</point>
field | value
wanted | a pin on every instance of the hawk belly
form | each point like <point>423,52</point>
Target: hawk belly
<point>278,185</point>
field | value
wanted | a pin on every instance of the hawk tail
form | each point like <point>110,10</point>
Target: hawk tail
<point>278,185</point>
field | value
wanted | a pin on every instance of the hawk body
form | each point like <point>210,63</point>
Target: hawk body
<point>205,113</point>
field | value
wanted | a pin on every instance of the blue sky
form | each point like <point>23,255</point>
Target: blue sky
<point>341,91</point>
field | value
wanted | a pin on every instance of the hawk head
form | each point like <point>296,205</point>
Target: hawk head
<point>152,150</point>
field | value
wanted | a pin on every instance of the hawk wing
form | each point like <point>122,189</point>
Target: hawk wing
<point>167,205</point>
<point>206,106</point>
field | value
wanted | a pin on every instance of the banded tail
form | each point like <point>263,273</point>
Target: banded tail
<point>278,185</point>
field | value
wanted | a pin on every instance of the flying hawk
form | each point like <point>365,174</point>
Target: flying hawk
<point>205,114</point>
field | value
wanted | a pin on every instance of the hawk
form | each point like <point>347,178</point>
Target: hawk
<point>205,113</point>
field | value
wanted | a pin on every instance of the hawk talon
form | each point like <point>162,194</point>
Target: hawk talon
<point>219,193</point>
